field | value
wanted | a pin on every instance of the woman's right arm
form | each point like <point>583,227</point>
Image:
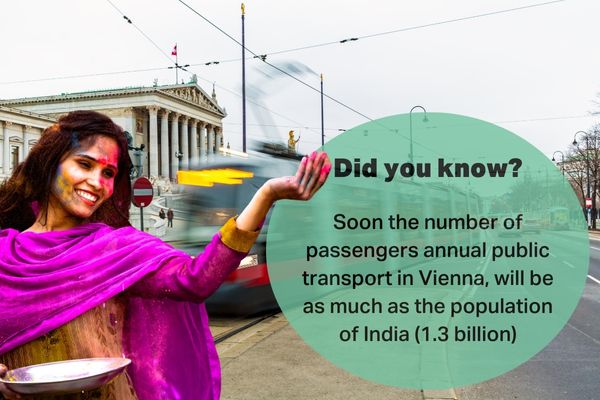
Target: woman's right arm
<point>184,278</point>
<point>194,279</point>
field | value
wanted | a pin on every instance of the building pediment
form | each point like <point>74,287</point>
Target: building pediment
<point>189,93</point>
<point>194,94</point>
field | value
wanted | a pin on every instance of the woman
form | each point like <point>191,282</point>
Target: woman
<point>78,281</point>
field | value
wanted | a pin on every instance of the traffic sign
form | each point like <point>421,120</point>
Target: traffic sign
<point>588,202</point>
<point>142,192</point>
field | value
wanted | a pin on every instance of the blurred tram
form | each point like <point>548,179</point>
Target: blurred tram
<point>222,189</point>
<point>218,192</point>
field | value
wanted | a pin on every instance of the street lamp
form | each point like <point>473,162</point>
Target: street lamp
<point>562,161</point>
<point>410,155</point>
<point>587,164</point>
<point>138,154</point>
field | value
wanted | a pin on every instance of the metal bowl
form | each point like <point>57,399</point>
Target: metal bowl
<point>64,376</point>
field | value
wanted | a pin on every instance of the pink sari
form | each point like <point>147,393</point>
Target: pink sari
<point>48,279</point>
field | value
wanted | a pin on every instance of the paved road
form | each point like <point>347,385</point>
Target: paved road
<point>279,365</point>
<point>569,367</point>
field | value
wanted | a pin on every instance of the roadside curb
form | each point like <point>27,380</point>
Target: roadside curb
<point>594,234</point>
<point>447,394</point>
<point>238,344</point>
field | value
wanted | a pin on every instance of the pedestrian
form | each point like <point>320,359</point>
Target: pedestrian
<point>77,281</point>
<point>161,214</point>
<point>170,215</point>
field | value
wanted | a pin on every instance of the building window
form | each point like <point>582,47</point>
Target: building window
<point>14,156</point>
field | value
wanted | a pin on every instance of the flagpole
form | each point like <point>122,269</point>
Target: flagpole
<point>243,83</point>
<point>176,64</point>
<point>322,117</point>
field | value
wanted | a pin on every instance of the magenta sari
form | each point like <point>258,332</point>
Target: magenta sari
<point>48,279</point>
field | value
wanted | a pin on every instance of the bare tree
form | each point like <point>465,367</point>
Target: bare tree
<point>582,164</point>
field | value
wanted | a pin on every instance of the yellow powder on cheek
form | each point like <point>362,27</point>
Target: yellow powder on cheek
<point>64,189</point>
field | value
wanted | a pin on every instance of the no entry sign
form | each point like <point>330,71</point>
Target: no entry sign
<point>142,192</point>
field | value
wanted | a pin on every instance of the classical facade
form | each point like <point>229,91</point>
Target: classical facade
<point>19,131</point>
<point>177,124</point>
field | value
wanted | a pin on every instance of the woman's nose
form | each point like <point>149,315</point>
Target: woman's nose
<point>94,179</point>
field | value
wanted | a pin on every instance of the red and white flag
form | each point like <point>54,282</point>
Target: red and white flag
<point>174,52</point>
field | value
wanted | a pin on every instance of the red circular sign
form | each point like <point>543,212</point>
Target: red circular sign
<point>142,192</point>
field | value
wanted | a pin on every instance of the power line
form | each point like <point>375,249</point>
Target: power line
<point>487,14</point>
<point>544,119</point>
<point>410,28</point>
<point>353,39</point>
<point>257,104</point>
<point>274,66</point>
<point>129,21</point>
<point>289,126</point>
<point>90,75</point>
<point>262,57</point>
<point>140,31</point>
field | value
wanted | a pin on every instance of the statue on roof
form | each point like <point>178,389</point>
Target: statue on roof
<point>214,94</point>
<point>291,142</point>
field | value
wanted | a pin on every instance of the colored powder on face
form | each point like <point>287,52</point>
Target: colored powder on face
<point>63,190</point>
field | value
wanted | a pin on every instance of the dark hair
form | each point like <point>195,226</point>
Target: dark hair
<point>31,182</point>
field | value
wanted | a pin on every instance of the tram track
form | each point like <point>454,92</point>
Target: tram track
<point>235,327</point>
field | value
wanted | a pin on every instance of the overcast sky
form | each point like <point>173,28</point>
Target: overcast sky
<point>539,66</point>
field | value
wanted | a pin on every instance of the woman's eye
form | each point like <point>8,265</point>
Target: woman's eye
<point>84,164</point>
<point>109,173</point>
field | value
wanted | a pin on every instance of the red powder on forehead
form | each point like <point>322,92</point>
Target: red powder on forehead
<point>103,160</point>
<point>105,157</point>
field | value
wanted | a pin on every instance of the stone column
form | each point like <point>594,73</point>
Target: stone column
<point>164,144</point>
<point>126,120</point>
<point>194,142</point>
<point>6,149</point>
<point>210,131</point>
<point>218,138</point>
<point>153,142</point>
<point>175,150</point>
<point>201,140</point>
<point>27,135</point>
<point>185,139</point>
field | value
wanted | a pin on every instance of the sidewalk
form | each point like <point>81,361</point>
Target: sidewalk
<point>272,362</point>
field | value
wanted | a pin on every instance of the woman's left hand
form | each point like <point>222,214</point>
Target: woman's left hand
<point>309,178</point>
<point>311,175</point>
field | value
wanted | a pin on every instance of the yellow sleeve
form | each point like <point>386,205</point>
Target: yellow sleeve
<point>237,239</point>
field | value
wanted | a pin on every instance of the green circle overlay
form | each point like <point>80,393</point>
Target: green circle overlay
<point>470,327</point>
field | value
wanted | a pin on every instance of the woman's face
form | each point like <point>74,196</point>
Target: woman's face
<point>85,179</point>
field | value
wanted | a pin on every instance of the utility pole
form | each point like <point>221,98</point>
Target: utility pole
<point>243,83</point>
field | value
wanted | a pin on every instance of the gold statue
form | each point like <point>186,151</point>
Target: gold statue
<point>292,142</point>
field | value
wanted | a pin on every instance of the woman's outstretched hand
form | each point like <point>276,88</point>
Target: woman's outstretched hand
<point>311,175</point>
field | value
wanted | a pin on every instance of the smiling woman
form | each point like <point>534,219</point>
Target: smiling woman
<point>70,148</point>
<point>84,181</point>
<point>77,281</point>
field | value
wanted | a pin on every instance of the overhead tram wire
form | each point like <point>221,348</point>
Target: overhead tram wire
<point>128,20</point>
<point>274,66</point>
<point>487,14</point>
<point>217,62</point>
<point>356,38</point>
<point>90,75</point>
<point>263,56</point>
<point>187,65</point>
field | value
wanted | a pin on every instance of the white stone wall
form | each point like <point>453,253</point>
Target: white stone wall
<point>188,111</point>
<point>18,129</point>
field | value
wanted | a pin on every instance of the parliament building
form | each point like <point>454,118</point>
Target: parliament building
<point>176,124</point>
